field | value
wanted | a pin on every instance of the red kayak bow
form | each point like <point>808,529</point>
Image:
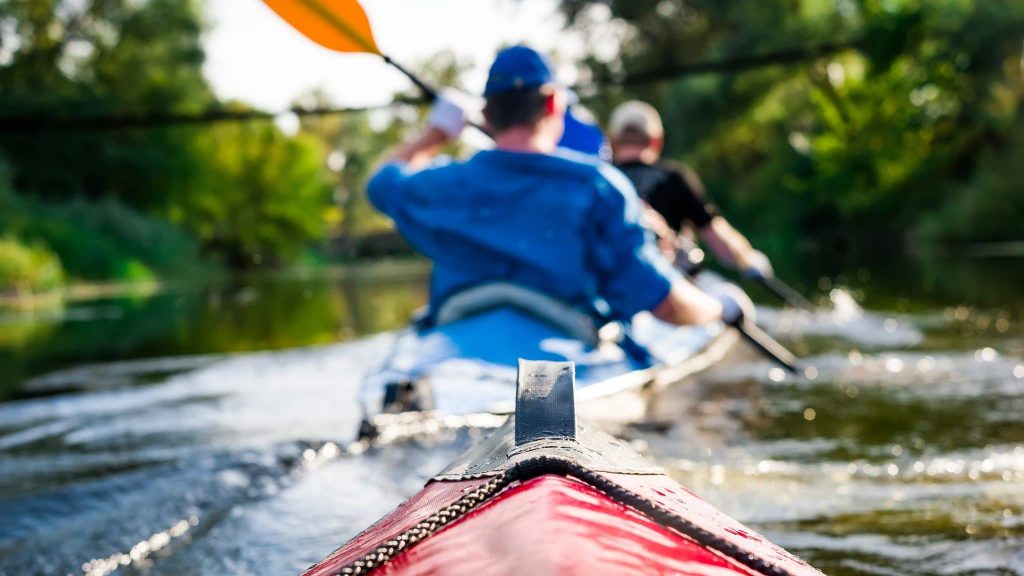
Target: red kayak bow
<point>544,496</point>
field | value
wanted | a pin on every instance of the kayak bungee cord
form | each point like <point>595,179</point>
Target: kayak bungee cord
<point>543,466</point>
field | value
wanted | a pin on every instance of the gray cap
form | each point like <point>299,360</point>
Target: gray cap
<point>635,115</point>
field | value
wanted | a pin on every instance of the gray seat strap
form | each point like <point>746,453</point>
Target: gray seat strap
<point>492,295</point>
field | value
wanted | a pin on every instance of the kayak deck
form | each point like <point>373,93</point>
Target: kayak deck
<point>540,497</point>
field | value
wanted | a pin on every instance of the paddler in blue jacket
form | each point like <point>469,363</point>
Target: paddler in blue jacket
<point>529,213</point>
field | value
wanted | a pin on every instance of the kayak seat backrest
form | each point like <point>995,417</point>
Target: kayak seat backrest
<point>484,297</point>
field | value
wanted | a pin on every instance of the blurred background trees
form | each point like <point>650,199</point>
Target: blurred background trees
<point>910,136</point>
<point>827,124</point>
<point>132,203</point>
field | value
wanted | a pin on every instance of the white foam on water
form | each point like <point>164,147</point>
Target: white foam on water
<point>845,319</point>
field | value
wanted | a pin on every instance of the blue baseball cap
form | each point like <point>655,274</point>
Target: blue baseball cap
<point>516,68</point>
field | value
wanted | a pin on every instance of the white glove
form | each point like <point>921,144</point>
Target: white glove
<point>448,113</point>
<point>736,305</point>
<point>758,266</point>
<point>732,312</point>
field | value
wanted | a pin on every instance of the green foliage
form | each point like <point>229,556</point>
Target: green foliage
<point>356,141</point>
<point>101,199</point>
<point>989,205</point>
<point>355,147</point>
<point>98,239</point>
<point>263,196</point>
<point>27,268</point>
<point>103,239</point>
<point>909,133</point>
<point>102,58</point>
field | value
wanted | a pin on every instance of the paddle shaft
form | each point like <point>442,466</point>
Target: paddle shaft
<point>428,91</point>
<point>784,292</point>
<point>767,345</point>
<point>750,331</point>
<point>777,287</point>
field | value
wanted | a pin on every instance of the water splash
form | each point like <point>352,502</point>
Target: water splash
<point>843,318</point>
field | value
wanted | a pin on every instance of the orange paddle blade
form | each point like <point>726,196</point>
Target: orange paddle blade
<point>339,25</point>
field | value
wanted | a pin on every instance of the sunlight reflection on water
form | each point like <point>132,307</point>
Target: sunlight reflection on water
<point>871,460</point>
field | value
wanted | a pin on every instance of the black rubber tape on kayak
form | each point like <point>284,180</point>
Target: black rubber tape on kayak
<point>545,401</point>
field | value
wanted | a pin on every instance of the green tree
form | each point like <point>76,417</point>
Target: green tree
<point>354,147</point>
<point>262,196</point>
<point>918,120</point>
<point>357,140</point>
<point>249,193</point>
<point>102,57</point>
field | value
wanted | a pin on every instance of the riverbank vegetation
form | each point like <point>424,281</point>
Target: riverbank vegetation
<point>815,124</point>
<point>124,202</point>
<point>835,123</point>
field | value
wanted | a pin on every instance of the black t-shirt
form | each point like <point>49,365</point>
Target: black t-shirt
<point>673,190</point>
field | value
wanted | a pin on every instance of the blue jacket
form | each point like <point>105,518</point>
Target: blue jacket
<point>564,224</point>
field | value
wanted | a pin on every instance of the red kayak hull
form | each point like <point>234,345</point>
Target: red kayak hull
<point>547,496</point>
<point>428,501</point>
<point>557,525</point>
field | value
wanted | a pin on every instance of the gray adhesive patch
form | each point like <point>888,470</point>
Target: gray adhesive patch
<point>545,401</point>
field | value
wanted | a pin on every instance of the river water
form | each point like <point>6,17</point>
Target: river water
<point>196,431</point>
